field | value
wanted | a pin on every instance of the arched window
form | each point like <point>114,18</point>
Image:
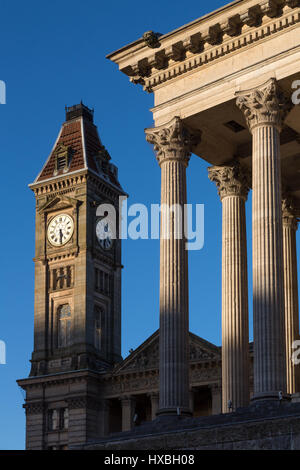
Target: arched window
<point>98,326</point>
<point>64,325</point>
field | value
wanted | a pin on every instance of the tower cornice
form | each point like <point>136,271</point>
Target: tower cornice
<point>66,184</point>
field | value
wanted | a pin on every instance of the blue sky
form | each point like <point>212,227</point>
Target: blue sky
<point>52,55</point>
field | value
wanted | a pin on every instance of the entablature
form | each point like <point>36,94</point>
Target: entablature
<point>225,31</point>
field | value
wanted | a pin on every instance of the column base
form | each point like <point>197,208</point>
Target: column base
<point>270,396</point>
<point>174,412</point>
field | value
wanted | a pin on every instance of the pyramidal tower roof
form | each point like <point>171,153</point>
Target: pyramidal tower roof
<point>78,147</point>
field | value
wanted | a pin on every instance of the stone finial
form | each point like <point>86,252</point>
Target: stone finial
<point>173,141</point>
<point>264,105</point>
<point>151,39</point>
<point>231,180</point>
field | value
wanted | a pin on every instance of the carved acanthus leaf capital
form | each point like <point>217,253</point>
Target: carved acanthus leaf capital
<point>289,212</point>
<point>264,105</point>
<point>231,180</point>
<point>173,141</point>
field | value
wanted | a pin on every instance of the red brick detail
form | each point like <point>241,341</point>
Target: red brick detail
<point>71,136</point>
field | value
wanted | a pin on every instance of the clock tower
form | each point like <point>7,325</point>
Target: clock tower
<point>77,311</point>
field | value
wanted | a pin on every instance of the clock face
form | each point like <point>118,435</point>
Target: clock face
<point>104,234</point>
<point>60,229</point>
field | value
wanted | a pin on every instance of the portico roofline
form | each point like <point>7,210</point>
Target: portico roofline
<point>140,43</point>
<point>153,60</point>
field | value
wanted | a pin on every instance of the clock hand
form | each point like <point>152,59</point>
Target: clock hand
<point>60,235</point>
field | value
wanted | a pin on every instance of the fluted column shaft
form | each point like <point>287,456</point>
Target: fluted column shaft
<point>233,190</point>
<point>173,144</point>
<point>265,109</point>
<point>174,321</point>
<point>290,225</point>
<point>235,328</point>
<point>268,294</point>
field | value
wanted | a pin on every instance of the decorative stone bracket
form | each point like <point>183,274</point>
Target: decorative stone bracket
<point>196,43</point>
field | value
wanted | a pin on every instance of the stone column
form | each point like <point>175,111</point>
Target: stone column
<point>265,108</point>
<point>290,225</point>
<point>128,407</point>
<point>173,143</point>
<point>192,400</point>
<point>103,418</point>
<point>154,404</point>
<point>216,399</point>
<point>233,189</point>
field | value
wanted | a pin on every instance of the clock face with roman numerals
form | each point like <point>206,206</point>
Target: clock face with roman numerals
<point>60,229</point>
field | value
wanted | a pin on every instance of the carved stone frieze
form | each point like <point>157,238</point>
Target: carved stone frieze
<point>148,357</point>
<point>132,384</point>
<point>34,408</point>
<point>205,374</point>
<point>199,354</point>
<point>124,385</point>
<point>83,402</point>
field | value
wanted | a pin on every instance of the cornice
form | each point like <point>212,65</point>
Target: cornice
<point>140,43</point>
<point>62,255</point>
<point>153,67</point>
<point>225,79</point>
<point>60,378</point>
<point>57,184</point>
<point>67,183</point>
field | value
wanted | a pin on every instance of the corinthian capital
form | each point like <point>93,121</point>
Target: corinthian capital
<point>173,141</point>
<point>289,212</point>
<point>231,180</point>
<point>266,104</point>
